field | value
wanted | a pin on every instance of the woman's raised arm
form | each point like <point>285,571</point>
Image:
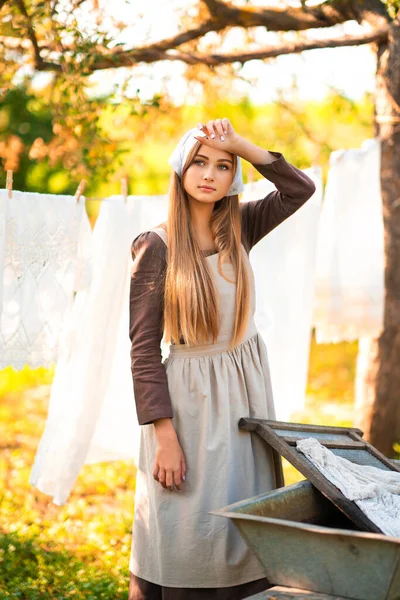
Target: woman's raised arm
<point>294,188</point>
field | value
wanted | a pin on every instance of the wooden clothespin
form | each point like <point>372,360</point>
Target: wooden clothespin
<point>9,183</point>
<point>124,188</point>
<point>80,189</point>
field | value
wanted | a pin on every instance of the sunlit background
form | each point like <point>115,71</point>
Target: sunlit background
<point>304,106</point>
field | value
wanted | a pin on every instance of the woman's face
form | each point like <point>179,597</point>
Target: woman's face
<point>210,175</point>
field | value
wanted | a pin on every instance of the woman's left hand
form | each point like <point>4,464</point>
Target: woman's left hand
<point>220,134</point>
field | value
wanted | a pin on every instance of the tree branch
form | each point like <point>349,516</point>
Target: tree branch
<point>153,54</point>
<point>189,35</point>
<point>31,34</point>
<point>297,18</point>
<point>224,15</point>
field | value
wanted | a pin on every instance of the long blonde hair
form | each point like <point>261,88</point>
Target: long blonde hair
<point>190,300</point>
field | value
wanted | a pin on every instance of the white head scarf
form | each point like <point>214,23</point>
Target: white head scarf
<point>181,152</point>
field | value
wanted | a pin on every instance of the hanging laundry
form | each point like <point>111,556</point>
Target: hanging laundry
<point>2,242</point>
<point>350,256</point>
<point>92,415</point>
<point>283,264</point>
<point>46,257</point>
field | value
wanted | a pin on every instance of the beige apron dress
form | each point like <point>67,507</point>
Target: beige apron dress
<point>175,542</point>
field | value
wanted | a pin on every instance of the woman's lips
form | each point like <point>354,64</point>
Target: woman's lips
<point>206,188</point>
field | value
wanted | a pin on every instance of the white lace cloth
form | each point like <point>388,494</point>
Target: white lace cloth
<point>45,249</point>
<point>375,491</point>
<point>284,270</point>
<point>350,256</point>
<point>92,415</point>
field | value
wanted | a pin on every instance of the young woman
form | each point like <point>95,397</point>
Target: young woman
<point>192,282</point>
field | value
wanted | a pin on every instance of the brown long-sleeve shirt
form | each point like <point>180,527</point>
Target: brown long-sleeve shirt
<point>149,254</point>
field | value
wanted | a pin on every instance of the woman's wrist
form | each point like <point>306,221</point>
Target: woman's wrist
<point>250,152</point>
<point>164,428</point>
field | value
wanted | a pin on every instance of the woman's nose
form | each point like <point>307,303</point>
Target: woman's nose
<point>209,173</point>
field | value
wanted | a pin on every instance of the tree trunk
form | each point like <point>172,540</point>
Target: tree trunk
<point>382,381</point>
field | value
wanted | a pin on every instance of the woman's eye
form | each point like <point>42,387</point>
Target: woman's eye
<point>201,162</point>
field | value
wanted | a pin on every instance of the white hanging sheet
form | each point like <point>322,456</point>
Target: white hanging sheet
<point>2,242</point>
<point>92,415</point>
<point>375,491</point>
<point>350,256</point>
<point>46,257</point>
<point>284,269</point>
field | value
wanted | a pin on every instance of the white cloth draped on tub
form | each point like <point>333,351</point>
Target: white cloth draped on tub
<point>46,256</point>
<point>350,256</point>
<point>375,491</point>
<point>284,265</point>
<point>92,415</point>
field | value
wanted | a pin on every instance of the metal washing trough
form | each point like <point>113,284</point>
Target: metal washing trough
<point>304,541</point>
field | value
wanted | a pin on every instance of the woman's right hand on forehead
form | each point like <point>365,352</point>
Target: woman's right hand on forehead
<point>220,133</point>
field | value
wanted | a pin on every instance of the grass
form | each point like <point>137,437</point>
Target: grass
<point>81,550</point>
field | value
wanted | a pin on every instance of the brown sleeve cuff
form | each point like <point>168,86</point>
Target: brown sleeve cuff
<point>153,405</point>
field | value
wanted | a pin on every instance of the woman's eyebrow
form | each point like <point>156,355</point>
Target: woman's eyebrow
<point>219,160</point>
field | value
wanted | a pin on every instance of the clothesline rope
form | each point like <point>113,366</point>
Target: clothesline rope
<point>79,191</point>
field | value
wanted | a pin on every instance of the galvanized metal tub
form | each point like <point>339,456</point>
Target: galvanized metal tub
<point>302,540</point>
